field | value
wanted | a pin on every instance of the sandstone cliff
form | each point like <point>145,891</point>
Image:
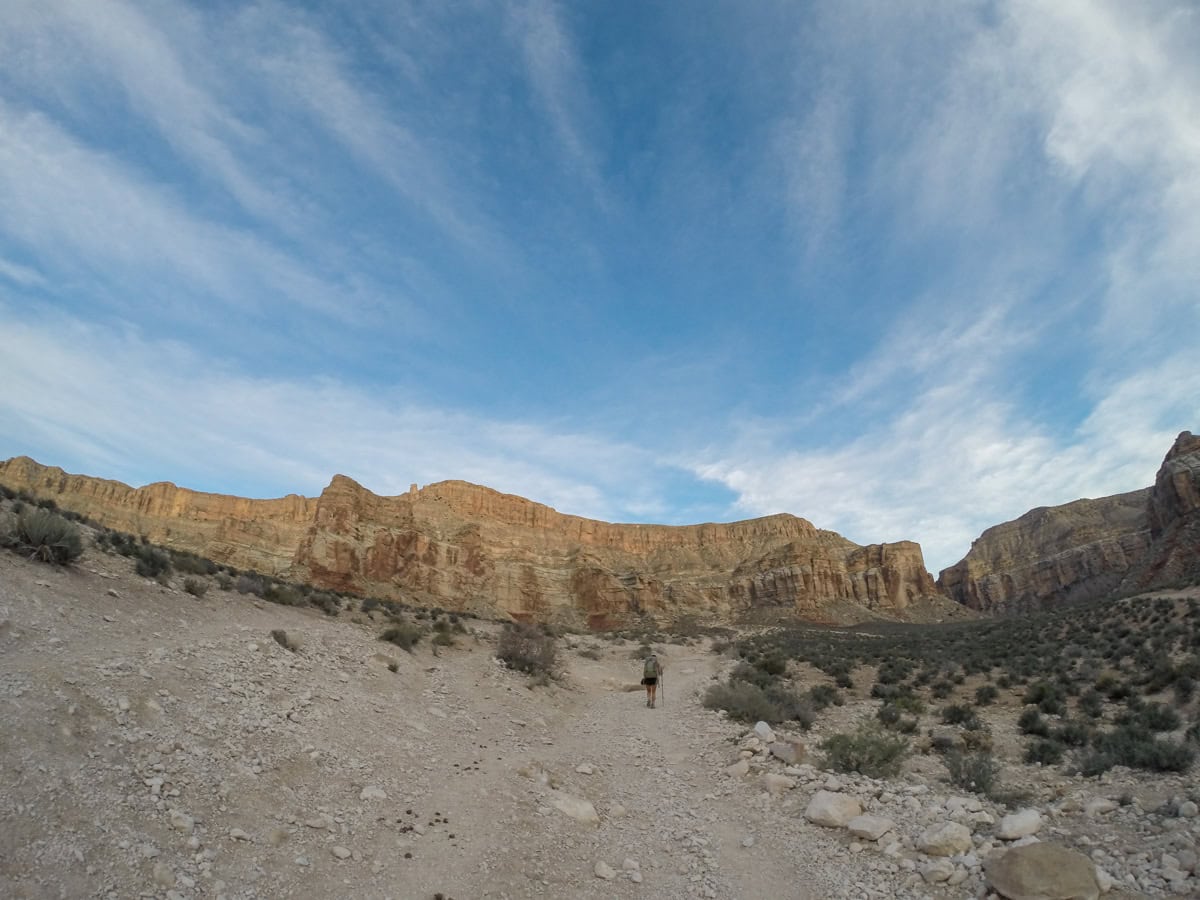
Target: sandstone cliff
<point>1089,548</point>
<point>1173,517</point>
<point>465,547</point>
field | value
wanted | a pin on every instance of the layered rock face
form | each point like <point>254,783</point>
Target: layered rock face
<point>465,547</point>
<point>1173,517</point>
<point>1089,548</point>
<point>248,534</point>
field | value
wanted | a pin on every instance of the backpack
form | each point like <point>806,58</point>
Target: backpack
<point>650,669</point>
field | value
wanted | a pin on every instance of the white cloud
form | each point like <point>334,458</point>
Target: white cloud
<point>135,409</point>
<point>87,214</point>
<point>555,73</point>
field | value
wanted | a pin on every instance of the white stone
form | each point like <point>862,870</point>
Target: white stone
<point>340,852</point>
<point>585,769</point>
<point>1098,806</point>
<point>1188,809</point>
<point>739,769</point>
<point>945,839</point>
<point>372,792</point>
<point>163,876</point>
<point>604,870</point>
<point>1020,824</point>
<point>764,733</point>
<point>832,810</point>
<point>777,784</point>
<point>872,828</point>
<point>181,821</point>
<point>576,808</point>
<point>238,835</point>
<point>630,864</point>
<point>937,870</point>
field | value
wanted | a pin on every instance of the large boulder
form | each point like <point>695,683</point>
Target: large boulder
<point>1042,871</point>
<point>832,810</point>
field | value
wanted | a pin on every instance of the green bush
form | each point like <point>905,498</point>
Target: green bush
<point>528,649</point>
<point>1072,734</point>
<point>1031,722</point>
<point>1091,703</point>
<point>961,714</point>
<point>869,751</point>
<point>45,536</point>
<point>404,635</point>
<point>151,562</point>
<point>743,702</point>
<point>1134,748</point>
<point>823,695</point>
<point>975,772</point>
<point>1046,752</point>
<point>986,694</point>
<point>284,595</point>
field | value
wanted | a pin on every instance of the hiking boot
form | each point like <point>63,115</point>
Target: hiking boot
<point>652,704</point>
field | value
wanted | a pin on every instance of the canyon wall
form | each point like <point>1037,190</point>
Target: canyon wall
<point>1087,549</point>
<point>465,547</point>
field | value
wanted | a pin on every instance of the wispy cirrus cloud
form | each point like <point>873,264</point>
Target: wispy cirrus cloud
<point>145,409</point>
<point>556,75</point>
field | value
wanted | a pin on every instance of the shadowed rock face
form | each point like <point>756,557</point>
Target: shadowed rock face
<point>1089,548</point>
<point>465,547</point>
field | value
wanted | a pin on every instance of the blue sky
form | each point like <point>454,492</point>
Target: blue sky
<point>906,270</point>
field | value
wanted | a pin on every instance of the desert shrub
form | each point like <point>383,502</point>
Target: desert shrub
<point>960,714</point>
<point>527,649</point>
<point>1184,688</point>
<point>942,689</point>
<point>224,581</point>
<point>591,653</point>
<point>442,638</point>
<point>792,707</point>
<point>404,635</point>
<point>328,603</point>
<point>151,562</point>
<point>1072,734</point>
<point>888,715</point>
<point>1152,717</point>
<point>976,740</point>
<point>250,583</point>
<point>1129,746</point>
<point>191,564</point>
<point>1031,722</point>
<point>45,536</point>
<point>1047,697</point>
<point>869,751</point>
<point>197,587</point>
<point>6,492</point>
<point>743,702</point>
<point>283,594</point>
<point>975,772</point>
<point>1046,752</point>
<point>986,694</point>
<point>823,695</point>
<point>1091,704</point>
<point>747,672</point>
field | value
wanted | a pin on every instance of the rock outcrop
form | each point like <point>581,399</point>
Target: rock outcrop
<point>465,547</point>
<point>1087,549</point>
<point>249,534</point>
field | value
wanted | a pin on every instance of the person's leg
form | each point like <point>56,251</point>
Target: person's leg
<point>653,693</point>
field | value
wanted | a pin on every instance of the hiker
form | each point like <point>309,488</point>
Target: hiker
<point>651,671</point>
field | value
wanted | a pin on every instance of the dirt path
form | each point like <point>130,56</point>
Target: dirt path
<point>157,745</point>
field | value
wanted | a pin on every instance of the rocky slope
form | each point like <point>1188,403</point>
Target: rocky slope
<point>1089,548</point>
<point>465,547</point>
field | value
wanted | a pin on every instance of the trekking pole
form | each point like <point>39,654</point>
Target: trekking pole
<point>662,684</point>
